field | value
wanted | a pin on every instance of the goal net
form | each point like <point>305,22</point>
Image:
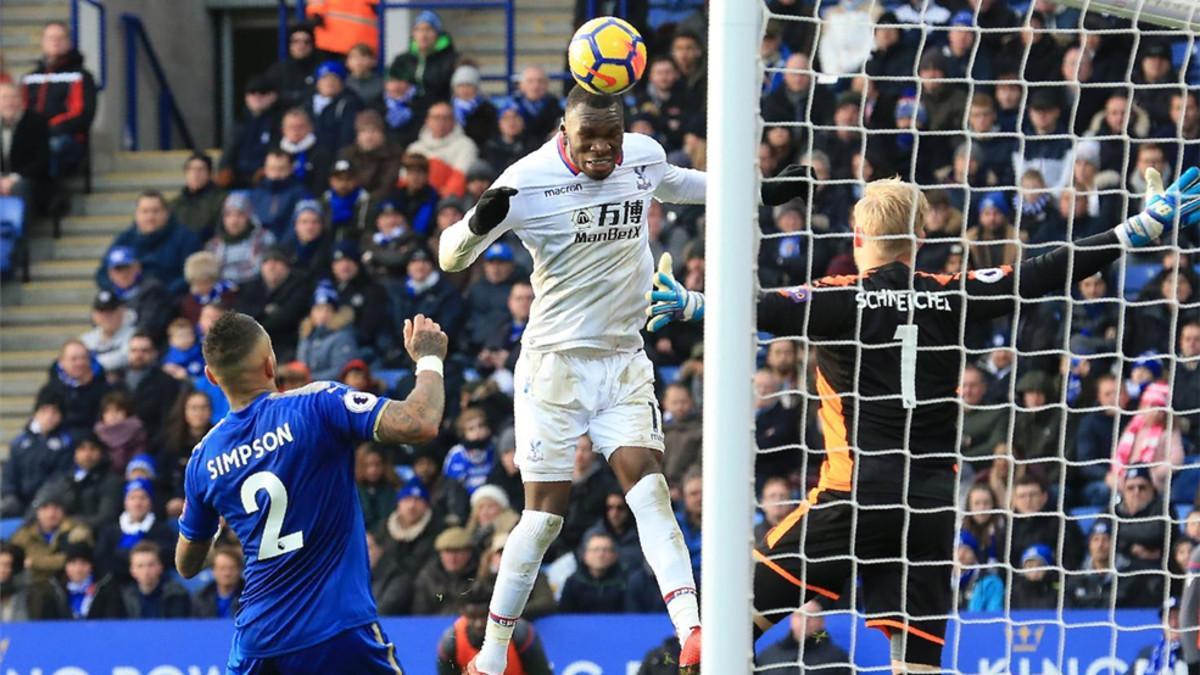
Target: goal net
<point>1027,125</point>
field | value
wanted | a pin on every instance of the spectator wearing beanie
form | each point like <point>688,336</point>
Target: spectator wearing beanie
<point>333,108</point>
<point>77,589</point>
<point>487,298</point>
<point>198,205</point>
<point>994,241</point>
<point>45,537</point>
<point>145,296</point>
<point>426,291</point>
<point>406,539</point>
<point>1150,438</point>
<point>278,299</point>
<point>136,523</point>
<point>202,271</point>
<point>386,250</point>
<point>310,240</point>
<point>41,453</point>
<point>372,328</point>
<point>293,76</point>
<point>509,143</point>
<point>541,111</point>
<point>447,147</point>
<point>278,192</point>
<point>90,490</point>
<point>158,241</point>
<point>345,206</point>
<point>1036,584</point>
<point>430,58</point>
<point>402,110</point>
<point>472,111</point>
<point>376,163</point>
<point>491,515</point>
<point>240,242</point>
<point>254,134</point>
<point>327,336</point>
<point>78,382</point>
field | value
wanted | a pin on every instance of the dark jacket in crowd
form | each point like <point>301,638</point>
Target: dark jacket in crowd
<point>820,655</point>
<point>583,593</point>
<point>294,79</point>
<point>394,577</point>
<point>587,506</point>
<point>153,395</point>
<point>311,260</point>
<point>376,170</point>
<point>1047,528</point>
<point>93,498</point>
<point>153,304</point>
<point>486,311</point>
<point>161,253</point>
<point>199,211</point>
<point>629,547</point>
<point>1093,443</point>
<point>372,320</point>
<point>404,127</point>
<point>1040,594</point>
<point>275,202</point>
<point>113,559</point>
<point>334,126</point>
<point>431,73</point>
<point>29,153</point>
<point>34,459</point>
<point>480,123</point>
<point>123,600</point>
<point>440,302</point>
<point>64,94</point>
<point>279,310</point>
<point>1148,527</point>
<point>441,592</point>
<point>541,118</point>
<point>419,208</point>
<point>81,403</point>
<point>245,151</point>
<point>204,603</point>
<point>501,154</point>
<point>776,427</point>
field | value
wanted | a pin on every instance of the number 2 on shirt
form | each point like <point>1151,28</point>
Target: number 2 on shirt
<point>272,544</point>
<point>907,335</point>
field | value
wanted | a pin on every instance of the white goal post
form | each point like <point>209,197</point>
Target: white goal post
<point>734,126</point>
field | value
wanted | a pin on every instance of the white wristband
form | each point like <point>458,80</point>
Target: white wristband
<point>431,363</point>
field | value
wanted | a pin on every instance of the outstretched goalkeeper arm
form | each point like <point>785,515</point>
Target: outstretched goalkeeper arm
<point>990,293</point>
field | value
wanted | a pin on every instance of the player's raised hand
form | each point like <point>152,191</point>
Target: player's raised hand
<point>490,210</point>
<point>794,183</point>
<point>1181,200</point>
<point>670,300</point>
<point>423,337</point>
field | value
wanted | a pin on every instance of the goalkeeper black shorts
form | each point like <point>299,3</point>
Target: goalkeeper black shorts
<point>816,552</point>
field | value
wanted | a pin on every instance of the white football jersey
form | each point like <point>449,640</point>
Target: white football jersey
<point>588,238</point>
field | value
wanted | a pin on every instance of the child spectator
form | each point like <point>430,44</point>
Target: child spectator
<point>979,589</point>
<point>415,197</point>
<point>377,484</point>
<point>431,58</point>
<point>376,162</point>
<point>364,79</point>
<point>1143,372</point>
<point>332,108</point>
<point>278,192</point>
<point>120,429</point>
<point>327,335</point>
<point>472,110</point>
<point>109,340</point>
<point>1150,438</point>
<point>509,143</point>
<point>1036,585</point>
<point>470,461</point>
<point>346,206</point>
<point>202,272</point>
<point>38,455</point>
<point>540,110</point>
<point>198,205</point>
<point>184,358</point>
<point>240,243</point>
<point>255,133</point>
<point>402,111</point>
<point>598,585</point>
<point>219,599</point>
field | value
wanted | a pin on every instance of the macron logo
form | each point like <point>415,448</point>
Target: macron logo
<point>563,189</point>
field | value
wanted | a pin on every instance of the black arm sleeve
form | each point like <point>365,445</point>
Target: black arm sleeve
<point>815,310</point>
<point>991,295</point>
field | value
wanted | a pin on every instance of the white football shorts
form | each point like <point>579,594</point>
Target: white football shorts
<point>561,396</point>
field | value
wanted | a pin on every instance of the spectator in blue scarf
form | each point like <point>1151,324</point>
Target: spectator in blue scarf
<point>275,196</point>
<point>402,110</point>
<point>310,241</point>
<point>79,583</point>
<point>78,381</point>
<point>158,241</point>
<point>347,205</point>
<point>136,523</point>
<point>472,110</point>
<point>540,110</point>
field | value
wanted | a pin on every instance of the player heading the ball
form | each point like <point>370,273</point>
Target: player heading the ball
<point>887,343</point>
<point>579,204</point>
<point>279,468</point>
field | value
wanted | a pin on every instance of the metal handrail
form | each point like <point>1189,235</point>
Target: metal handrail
<point>102,66</point>
<point>168,110</point>
<point>510,51</point>
<point>284,22</point>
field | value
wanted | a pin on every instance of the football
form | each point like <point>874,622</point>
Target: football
<point>607,55</point>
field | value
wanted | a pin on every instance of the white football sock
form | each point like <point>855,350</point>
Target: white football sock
<point>663,547</point>
<point>519,565</point>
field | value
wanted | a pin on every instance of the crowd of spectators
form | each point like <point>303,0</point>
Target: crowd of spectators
<point>1081,417</point>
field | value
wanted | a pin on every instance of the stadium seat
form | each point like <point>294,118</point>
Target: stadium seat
<point>1084,516</point>
<point>12,233</point>
<point>9,526</point>
<point>1137,276</point>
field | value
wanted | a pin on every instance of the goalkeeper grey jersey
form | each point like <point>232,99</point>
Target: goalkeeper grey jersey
<point>588,238</point>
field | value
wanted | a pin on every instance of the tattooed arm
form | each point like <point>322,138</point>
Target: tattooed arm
<point>417,418</point>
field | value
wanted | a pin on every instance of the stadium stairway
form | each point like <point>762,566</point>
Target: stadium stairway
<point>543,29</point>
<point>21,24</point>
<point>36,317</point>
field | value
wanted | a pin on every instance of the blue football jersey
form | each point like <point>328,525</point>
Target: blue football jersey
<point>281,472</point>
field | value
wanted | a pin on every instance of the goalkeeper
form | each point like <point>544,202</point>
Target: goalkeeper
<point>897,331</point>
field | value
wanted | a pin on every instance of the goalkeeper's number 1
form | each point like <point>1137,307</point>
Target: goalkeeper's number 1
<point>907,335</point>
